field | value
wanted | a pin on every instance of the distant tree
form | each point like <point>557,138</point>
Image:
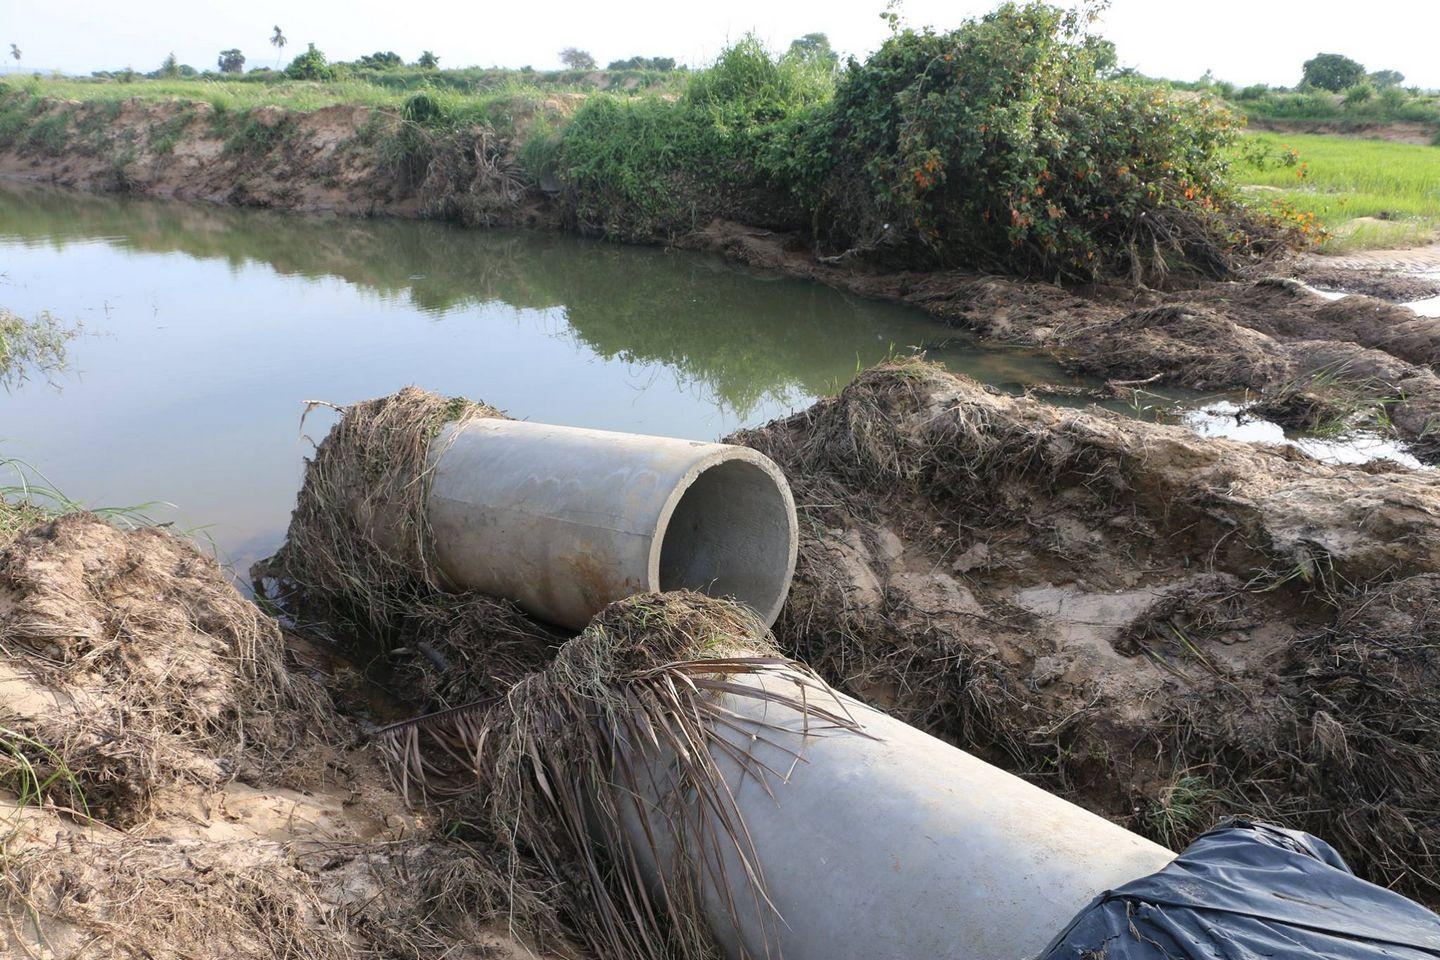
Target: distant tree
<point>310,65</point>
<point>232,61</point>
<point>1387,78</point>
<point>170,67</point>
<point>1332,71</point>
<point>643,63</point>
<point>15,52</point>
<point>381,60</point>
<point>278,41</point>
<point>814,47</point>
<point>428,61</point>
<point>188,71</point>
<point>577,59</point>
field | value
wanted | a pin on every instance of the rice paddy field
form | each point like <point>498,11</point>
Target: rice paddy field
<point>1367,194</point>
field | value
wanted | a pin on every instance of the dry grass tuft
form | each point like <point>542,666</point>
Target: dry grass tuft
<point>132,657</point>
<point>555,770</point>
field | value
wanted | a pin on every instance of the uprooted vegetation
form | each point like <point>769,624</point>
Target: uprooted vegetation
<point>168,781</point>
<point>1161,628</point>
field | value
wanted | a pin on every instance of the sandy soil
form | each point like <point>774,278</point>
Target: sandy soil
<point>200,797</point>
<point>1164,628</point>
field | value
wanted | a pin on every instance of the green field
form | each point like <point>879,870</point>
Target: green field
<point>240,95</point>
<point>1367,194</point>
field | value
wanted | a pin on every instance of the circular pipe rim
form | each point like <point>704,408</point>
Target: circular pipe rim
<point>726,454</point>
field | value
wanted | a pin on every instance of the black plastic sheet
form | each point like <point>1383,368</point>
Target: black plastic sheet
<point>1248,891</point>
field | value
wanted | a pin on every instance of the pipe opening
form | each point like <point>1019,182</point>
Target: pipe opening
<point>731,535</point>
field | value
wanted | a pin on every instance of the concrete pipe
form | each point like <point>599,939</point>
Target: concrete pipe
<point>564,520</point>
<point>896,847</point>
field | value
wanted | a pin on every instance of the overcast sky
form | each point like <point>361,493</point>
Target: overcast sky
<point>1246,41</point>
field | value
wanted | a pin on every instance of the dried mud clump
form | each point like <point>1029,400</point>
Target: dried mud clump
<point>135,663</point>
<point>169,789</point>
<point>1163,628</point>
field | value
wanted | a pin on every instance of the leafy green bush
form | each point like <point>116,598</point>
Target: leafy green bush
<point>641,168</point>
<point>999,146</point>
<point>310,65</point>
<point>1360,93</point>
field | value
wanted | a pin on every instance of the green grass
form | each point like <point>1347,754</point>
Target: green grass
<point>27,497</point>
<point>32,346</point>
<point>1367,194</point>
<point>236,96</point>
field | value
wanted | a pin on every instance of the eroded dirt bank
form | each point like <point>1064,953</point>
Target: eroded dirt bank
<point>170,787</point>
<point>1162,628</point>
<point>1308,361</point>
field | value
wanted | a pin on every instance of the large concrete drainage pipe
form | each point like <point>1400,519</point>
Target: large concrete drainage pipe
<point>889,846</point>
<point>564,520</point>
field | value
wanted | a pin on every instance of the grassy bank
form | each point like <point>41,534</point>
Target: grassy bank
<point>1367,194</point>
<point>1003,145</point>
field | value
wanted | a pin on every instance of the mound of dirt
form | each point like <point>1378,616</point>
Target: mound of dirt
<point>130,654</point>
<point>170,788</point>
<point>1179,343</point>
<point>1393,285</point>
<point>1163,628</point>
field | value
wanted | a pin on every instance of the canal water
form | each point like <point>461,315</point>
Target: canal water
<point>205,331</point>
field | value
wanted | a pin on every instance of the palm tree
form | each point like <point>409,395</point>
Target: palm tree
<point>278,41</point>
<point>15,52</point>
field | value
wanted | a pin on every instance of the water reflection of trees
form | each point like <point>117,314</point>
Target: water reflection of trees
<point>742,334</point>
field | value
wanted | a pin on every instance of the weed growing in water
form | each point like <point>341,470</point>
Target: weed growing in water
<point>33,346</point>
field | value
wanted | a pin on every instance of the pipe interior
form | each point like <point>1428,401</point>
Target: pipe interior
<point>730,536</point>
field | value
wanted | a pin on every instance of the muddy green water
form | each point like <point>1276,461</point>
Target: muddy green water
<point>206,329</point>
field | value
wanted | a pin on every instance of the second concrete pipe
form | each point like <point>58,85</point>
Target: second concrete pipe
<point>565,520</point>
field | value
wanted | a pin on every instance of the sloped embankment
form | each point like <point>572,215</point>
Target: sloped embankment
<point>170,787</point>
<point>1306,361</point>
<point>346,159</point>
<point>1162,628</point>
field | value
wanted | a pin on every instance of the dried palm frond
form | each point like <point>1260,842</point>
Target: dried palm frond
<point>622,738</point>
